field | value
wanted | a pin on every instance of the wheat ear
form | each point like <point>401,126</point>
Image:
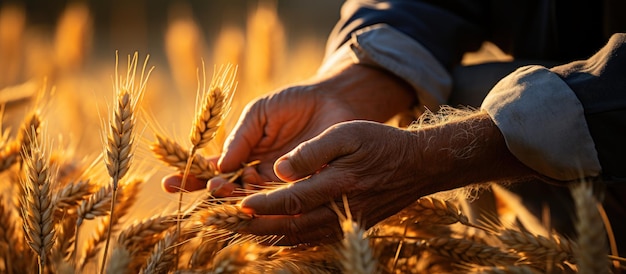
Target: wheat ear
<point>173,154</point>
<point>121,134</point>
<point>536,248</point>
<point>71,195</point>
<point>592,247</point>
<point>37,210</point>
<point>468,251</point>
<point>133,237</point>
<point>355,252</point>
<point>210,113</point>
<point>163,256</point>
<point>508,269</point>
<point>224,216</point>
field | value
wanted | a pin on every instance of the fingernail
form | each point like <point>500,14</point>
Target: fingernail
<point>284,169</point>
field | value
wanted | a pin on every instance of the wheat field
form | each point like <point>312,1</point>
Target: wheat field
<point>85,142</point>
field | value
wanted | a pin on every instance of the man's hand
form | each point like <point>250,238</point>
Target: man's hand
<point>380,169</point>
<point>273,125</point>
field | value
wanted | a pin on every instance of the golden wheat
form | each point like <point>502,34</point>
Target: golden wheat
<point>536,248</point>
<point>37,212</point>
<point>591,238</point>
<point>162,258</point>
<point>357,256</point>
<point>224,216</point>
<point>173,154</point>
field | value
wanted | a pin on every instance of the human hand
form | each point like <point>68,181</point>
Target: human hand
<point>376,166</point>
<point>275,124</point>
<point>381,170</point>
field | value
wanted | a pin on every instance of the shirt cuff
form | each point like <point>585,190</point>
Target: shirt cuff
<point>543,124</point>
<point>382,46</point>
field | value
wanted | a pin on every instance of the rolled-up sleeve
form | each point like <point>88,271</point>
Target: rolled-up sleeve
<point>417,41</point>
<point>543,123</point>
<point>567,122</point>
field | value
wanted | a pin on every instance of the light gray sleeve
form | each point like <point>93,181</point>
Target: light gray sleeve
<point>383,46</point>
<point>543,124</point>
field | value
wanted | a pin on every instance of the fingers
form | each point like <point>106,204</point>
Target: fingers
<point>300,197</point>
<point>318,226</point>
<point>226,187</point>
<point>172,183</point>
<point>312,155</point>
<point>244,137</point>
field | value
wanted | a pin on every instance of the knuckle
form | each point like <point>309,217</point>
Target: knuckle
<point>294,232</point>
<point>293,205</point>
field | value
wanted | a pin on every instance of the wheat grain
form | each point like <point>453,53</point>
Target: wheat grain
<point>592,248</point>
<point>223,216</point>
<point>429,210</point>
<point>98,204</point>
<point>71,195</point>
<point>468,251</point>
<point>233,258</point>
<point>133,236</point>
<point>163,256</point>
<point>509,269</point>
<point>536,248</point>
<point>206,250</point>
<point>173,154</point>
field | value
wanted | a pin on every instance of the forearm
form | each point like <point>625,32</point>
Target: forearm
<point>467,149</point>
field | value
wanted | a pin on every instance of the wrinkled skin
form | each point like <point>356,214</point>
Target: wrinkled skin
<point>309,135</point>
<point>273,125</point>
<point>354,158</point>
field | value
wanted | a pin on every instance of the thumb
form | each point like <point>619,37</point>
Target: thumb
<point>244,137</point>
<point>312,155</point>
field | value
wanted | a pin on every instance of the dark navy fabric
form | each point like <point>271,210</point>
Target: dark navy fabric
<point>556,30</point>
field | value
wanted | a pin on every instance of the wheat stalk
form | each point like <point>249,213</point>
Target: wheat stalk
<point>129,193</point>
<point>37,210</point>
<point>121,134</point>
<point>592,247</point>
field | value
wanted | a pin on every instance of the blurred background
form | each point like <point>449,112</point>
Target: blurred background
<point>68,48</point>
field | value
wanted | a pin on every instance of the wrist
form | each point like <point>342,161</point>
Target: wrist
<point>467,150</point>
<point>370,93</point>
